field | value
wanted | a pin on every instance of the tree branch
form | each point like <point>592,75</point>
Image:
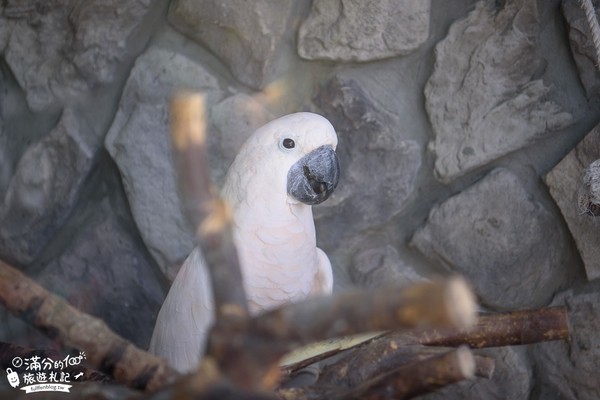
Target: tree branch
<point>501,329</point>
<point>104,349</point>
<point>448,303</point>
<point>419,377</point>
<point>205,208</point>
<point>409,380</point>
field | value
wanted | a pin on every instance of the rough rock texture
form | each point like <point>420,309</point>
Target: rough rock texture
<point>234,119</point>
<point>512,378</point>
<point>582,47</point>
<point>483,98</point>
<point>573,197</point>
<point>139,142</point>
<point>100,267</point>
<point>58,50</point>
<point>45,187</point>
<point>569,369</point>
<point>358,30</point>
<point>244,34</point>
<point>588,195</point>
<point>110,276</point>
<point>379,165</point>
<point>503,240</point>
<point>378,266</point>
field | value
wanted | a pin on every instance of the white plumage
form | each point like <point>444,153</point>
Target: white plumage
<point>282,169</point>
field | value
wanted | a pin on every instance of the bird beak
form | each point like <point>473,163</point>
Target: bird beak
<point>313,178</point>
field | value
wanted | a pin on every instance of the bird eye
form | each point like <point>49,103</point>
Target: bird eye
<point>288,143</point>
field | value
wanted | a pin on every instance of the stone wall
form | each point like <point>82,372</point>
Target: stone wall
<point>451,117</point>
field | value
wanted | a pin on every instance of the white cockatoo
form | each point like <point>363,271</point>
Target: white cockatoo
<point>283,169</point>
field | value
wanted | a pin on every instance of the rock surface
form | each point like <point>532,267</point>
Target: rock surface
<point>246,35</point>
<point>45,187</point>
<point>379,165</point>
<point>569,369</point>
<point>482,98</point>
<point>503,240</point>
<point>379,266</point>
<point>110,276</point>
<point>567,188</point>
<point>139,142</point>
<point>358,30</point>
<point>234,120</point>
<point>59,50</point>
<point>582,47</point>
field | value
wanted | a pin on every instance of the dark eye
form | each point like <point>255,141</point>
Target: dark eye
<point>288,143</point>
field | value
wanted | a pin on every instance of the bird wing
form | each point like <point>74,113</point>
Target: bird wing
<point>183,321</point>
<point>323,283</point>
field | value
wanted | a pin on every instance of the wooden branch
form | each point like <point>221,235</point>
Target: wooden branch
<point>449,303</point>
<point>501,329</point>
<point>382,355</point>
<point>393,349</point>
<point>104,349</point>
<point>206,209</point>
<point>417,378</point>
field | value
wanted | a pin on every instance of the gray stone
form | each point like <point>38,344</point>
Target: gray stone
<point>234,120</point>
<point>505,242</point>
<point>569,369</point>
<point>45,187</point>
<point>99,265</point>
<point>358,30</point>
<point>483,98</point>
<point>582,47</point>
<point>576,201</point>
<point>107,273</point>
<point>588,196</point>
<point>244,34</point>
<point>379,166</point>
<point>139,142</point>
<point>512,378</point>
<point>59,49</point>
<point>379,266</point>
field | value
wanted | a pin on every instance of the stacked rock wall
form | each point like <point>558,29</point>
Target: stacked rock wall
<point>453,118</point>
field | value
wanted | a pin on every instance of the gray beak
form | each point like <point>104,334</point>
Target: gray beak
<point>313,178</point>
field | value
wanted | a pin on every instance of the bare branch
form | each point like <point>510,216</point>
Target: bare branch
<point>383,355</point>
<point>104,349</point>
<point>416,378</point>
<point>447,303</point>
<point>502,329</point>
<point>206,209</point>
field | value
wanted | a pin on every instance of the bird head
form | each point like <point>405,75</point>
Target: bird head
<point>293,155</point>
